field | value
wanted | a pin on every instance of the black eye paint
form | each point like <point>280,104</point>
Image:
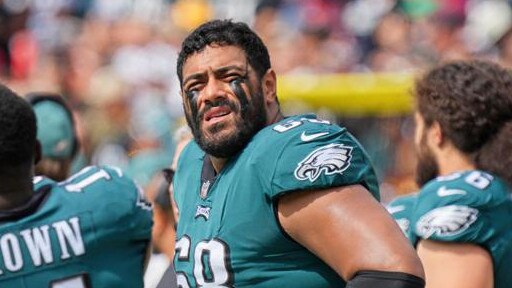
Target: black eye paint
<point>192,95</point>
<point>236,87</point>
<point>192,103</point>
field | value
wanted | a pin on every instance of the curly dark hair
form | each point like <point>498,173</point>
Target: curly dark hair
<point>472,102</point>
<point>17,129</point>
<point>226,33</point>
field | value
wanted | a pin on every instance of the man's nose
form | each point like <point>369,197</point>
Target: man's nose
<point>214,91</point>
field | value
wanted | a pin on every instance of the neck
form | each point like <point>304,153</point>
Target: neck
<point>452,161</point>
<point>276,117</point>
<point>218,163</point>
<point>14,193</point>
<point>17,186</point>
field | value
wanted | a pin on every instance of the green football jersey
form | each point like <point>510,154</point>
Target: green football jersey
<point>228,234</point>
<point>91,230</point>
<point>402,208</point>
<point>469,207</point>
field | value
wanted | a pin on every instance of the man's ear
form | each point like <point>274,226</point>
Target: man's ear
<point>38,152</point>
<point>268,85</point>
<point>436,134</point>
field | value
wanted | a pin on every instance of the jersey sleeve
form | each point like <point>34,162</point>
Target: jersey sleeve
<point>317,155</point>
<point>401,209</point>
<point>457,210</point>
<point>117,202</point>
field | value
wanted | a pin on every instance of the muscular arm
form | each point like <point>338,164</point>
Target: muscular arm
<point>349,230</point>
<point>456,265</point>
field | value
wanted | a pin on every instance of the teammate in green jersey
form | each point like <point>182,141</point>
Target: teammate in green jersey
<point>91,230</point>
<point>461,218</point>
<point>269,201</point>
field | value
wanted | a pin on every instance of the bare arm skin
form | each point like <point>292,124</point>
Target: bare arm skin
<point>456,265</point>
<point>349,230</point>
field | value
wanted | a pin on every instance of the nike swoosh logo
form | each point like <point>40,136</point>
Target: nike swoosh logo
<point>307,138</point>
<point>443,192</point>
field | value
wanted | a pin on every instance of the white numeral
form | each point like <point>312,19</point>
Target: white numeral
<point>478,179</point>
<point>213,253</point>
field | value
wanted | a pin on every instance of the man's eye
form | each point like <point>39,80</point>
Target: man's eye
<point>192,93</point>
<point>236,80</point>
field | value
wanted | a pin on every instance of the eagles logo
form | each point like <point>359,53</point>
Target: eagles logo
<point>446,221</point>
<point>403,223</point>
<point>329,159</point>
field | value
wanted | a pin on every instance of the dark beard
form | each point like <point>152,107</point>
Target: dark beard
<point>426,168</point>
<point>249,120</point>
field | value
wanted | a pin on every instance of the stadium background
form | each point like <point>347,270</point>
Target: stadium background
<point>350,61</point>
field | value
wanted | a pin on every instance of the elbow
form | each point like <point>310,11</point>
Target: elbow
<point>408,263</point>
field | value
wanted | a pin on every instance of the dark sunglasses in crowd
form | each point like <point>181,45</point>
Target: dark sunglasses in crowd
<point>168,175</point>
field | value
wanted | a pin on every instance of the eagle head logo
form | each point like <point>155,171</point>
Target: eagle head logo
<point>329,159</point>
<point>446,221</point>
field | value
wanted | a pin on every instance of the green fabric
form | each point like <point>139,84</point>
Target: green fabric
<point>146,163</point>
<point>402,208</point>
<point>418,8</point>
<point>54,130</point>
<point>232,237</point>
<point>114,224</point>
<point>469,207</point>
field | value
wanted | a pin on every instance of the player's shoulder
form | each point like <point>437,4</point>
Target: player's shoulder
<point>105,182</point>
<point>305,128</point>
<point>40,181</point>
<point>456,207</point>
<point>472,188</point>
<point>301,133</point>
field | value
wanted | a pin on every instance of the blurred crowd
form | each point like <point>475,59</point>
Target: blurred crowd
<point>114,61</point>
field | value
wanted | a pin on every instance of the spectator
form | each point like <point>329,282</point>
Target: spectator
<point>57,135</point>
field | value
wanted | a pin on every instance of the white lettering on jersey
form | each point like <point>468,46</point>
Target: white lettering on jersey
<point>11,252</point>
<point>306,138</point>
<point>69,235</point>
<point>290,124</point>
<point>446,221</point>
<point>38,244</point>
<point>443,192</point>
<point>329,159</point>
<point>77,187</point>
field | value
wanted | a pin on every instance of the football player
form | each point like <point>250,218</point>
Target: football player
<point>91,230</point>
<point>271,201</point>
<point>461,219</point>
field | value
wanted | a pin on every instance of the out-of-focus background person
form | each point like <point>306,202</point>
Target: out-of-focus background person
<point>57,134</point>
